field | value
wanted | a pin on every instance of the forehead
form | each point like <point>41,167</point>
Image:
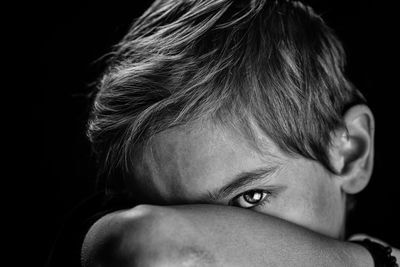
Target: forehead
<point>187,163</point>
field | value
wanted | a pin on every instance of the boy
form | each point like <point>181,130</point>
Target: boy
<point>235,121</point>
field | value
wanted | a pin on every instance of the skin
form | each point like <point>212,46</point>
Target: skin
<point>186,166</point>
<point>293,213</point>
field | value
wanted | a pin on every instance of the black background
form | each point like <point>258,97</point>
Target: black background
<point>67,40</point>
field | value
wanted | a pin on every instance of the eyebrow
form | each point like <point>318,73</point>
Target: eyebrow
<point>241,180</point>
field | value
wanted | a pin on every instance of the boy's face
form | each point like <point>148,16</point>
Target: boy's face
<point>211,165</point>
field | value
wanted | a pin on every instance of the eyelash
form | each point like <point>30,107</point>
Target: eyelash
<point>266,195</point>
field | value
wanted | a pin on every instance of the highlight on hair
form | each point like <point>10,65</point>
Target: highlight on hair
<point>241,64</point>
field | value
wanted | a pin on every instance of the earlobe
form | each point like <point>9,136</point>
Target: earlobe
<point>352,149</point>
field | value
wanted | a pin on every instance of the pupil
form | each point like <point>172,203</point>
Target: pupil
<point>253,197</point>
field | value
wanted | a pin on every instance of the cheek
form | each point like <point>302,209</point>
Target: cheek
<point>326,207</point>
<point>327,210</point>
<point>312,200</point>
<point>325,203</point>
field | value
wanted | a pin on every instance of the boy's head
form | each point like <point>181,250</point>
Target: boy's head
<point>234,102</point>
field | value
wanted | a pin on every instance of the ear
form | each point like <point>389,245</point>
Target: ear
<point>352,150</point>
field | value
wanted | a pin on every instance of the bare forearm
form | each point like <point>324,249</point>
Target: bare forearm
<point>239,237</point>
<point>210,235</point>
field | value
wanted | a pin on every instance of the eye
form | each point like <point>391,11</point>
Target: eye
<point>251,198</point>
